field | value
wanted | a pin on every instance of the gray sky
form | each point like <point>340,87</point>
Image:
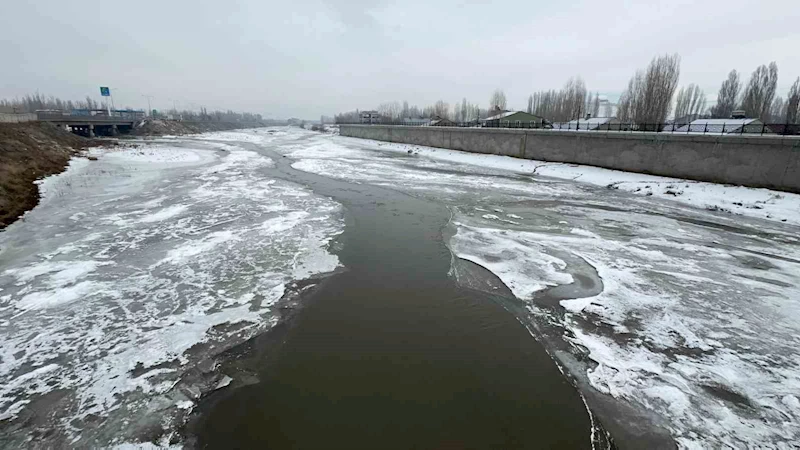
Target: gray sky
<point>306,58</point>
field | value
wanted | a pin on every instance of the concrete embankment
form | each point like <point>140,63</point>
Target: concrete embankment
<point>758,161</point>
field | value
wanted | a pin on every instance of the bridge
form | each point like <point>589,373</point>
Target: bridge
<point>92,122</point>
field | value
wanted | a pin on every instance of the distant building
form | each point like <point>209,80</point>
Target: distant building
<point>416,122</point>
<point>725,126</point>
<point>370,117</point>
<point>687,119</point>
<point>442,122</point>
<point>513,119</point>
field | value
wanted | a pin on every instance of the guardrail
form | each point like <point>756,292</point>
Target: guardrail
<point>89,115</point>
<point>723,128</point>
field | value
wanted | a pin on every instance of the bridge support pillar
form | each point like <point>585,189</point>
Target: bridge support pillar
<point>114,130</point>
<point>91,131</point>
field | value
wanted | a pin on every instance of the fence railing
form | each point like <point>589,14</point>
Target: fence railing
<point>722,128</point>
<point>98,115</point>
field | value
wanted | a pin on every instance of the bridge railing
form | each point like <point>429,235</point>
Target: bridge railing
<point>89,114</point>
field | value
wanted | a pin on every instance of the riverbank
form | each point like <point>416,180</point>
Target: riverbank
<point>34,150</point>
<point>151,127</point>
<point>29,152</point>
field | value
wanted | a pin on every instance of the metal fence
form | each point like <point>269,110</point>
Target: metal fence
<point>720,128</point>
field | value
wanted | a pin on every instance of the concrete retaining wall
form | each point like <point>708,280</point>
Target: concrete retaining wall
<point>759,161</point>
<point>17,118</point>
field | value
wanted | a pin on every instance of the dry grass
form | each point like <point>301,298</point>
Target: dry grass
<point>163,127</point>
<point>28,152</point>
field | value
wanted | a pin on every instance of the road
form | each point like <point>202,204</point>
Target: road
<point>286,286</point>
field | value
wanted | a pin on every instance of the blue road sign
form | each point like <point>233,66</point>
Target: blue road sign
<point>105,91</point>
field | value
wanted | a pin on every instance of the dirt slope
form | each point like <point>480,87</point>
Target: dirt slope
<point>152,127</point>
<point>28,152</point>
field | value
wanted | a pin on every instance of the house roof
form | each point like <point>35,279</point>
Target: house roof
<point>592,121</point>
<point>505,114</point>
<point>717,124</point>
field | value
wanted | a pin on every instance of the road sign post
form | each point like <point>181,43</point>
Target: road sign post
<point>106,92</point>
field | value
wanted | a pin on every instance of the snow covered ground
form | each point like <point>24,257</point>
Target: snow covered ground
<point>697,315</point>
<point>134,270</point>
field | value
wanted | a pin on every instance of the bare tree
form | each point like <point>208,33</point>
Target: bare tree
<point>760,90</point>
<point>727,96</point>
<point>530,104</point>
<point>793,103</point>
<point>575,96</point>
<point>90,103</point>
<point>777,111</point>
<point>596,106</point>
<point>609,109</point>
<point>391,111</point>
<point>562,105</point>
<point>31,103</point>
<point>690,103</point>
<point>627,99</point>
<point>648,98</point>
<point>498,100</point>
<point>440,109</point>
<point>587,109</point>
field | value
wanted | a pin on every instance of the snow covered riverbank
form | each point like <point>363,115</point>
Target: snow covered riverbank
<point>738,200</point>
<point>137,268</point>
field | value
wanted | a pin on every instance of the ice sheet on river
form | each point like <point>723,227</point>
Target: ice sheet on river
<point>690,323</point>
<point>698,318</point>
<point>132,270</point>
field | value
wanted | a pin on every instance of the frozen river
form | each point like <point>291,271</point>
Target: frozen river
<point>127,294</point>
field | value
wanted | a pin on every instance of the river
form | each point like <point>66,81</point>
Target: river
<point>283,288</point>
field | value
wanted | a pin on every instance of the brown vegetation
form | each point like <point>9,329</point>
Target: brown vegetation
<point>155,127</point>
<point>28,152</point>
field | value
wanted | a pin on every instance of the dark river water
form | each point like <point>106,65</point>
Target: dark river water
<point>391,353</point>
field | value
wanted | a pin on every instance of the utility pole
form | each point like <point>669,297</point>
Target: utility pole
<point>149,108</point>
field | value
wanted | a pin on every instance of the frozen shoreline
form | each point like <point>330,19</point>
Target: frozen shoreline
<point>134,269</point>
<point>759,203</point>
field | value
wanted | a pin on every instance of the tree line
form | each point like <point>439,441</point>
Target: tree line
<point>36,102</point>
<point>651,97</point>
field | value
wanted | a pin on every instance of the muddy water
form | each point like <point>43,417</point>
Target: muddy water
<point>391,353</point>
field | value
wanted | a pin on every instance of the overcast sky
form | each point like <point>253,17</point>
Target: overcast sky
<point>307,58</point>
